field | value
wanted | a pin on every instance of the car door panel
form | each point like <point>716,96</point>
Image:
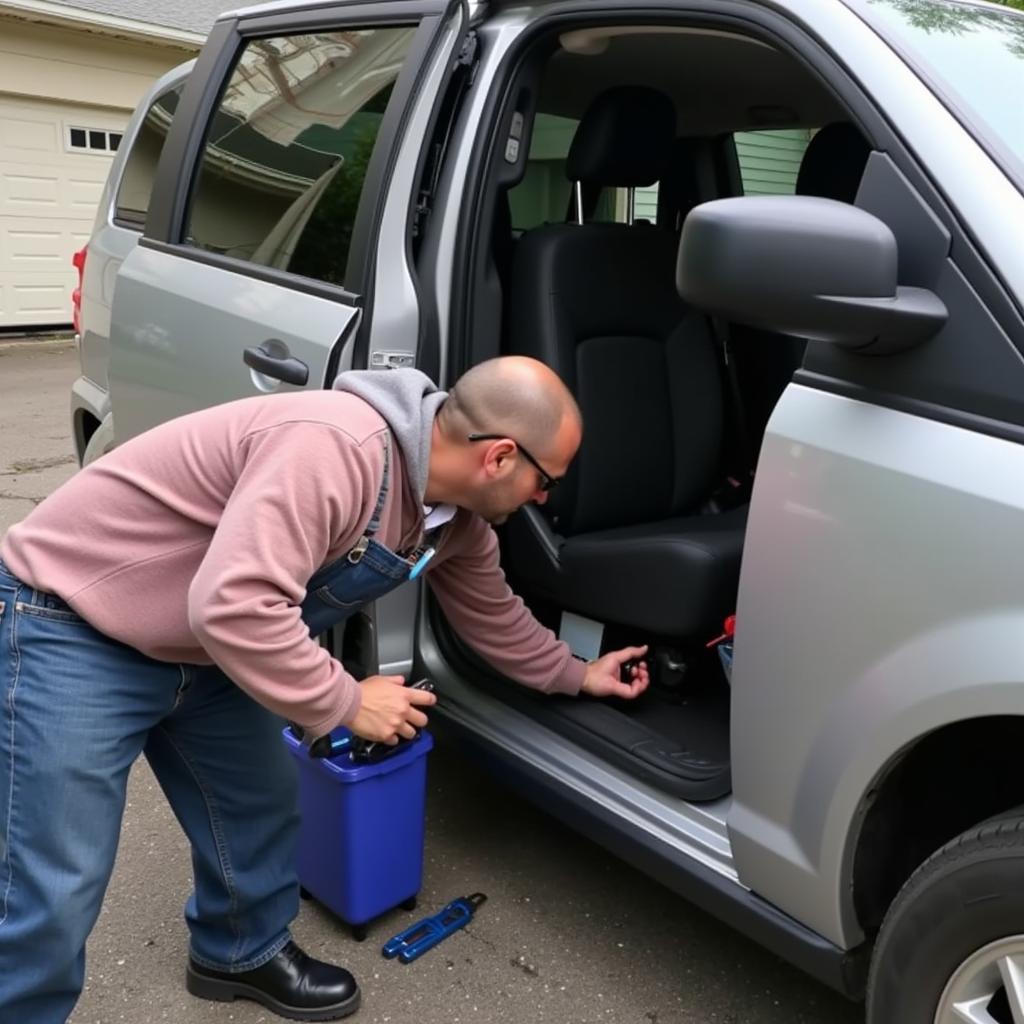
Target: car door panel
<point>189,301</point>
<point>177,356</point>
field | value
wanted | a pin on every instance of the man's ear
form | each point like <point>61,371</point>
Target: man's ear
<point>497,457</point>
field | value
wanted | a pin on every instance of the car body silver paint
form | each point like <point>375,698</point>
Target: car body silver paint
<point>87,399</point>
<point>180,329</point>
<point>500,32</point>
<point>896,540</point>
<point>109,244</point>
<point>395,620</point>
<point>395,322</point>
<point>794,846</point>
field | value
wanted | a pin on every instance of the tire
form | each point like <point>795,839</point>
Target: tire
<point>958,918</point>
<point>101,442</point>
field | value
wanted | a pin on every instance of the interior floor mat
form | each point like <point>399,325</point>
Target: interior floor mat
<point>678,742</point>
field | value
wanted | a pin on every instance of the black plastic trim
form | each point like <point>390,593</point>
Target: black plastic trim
<point>451,102</point>
<point>126,225</point>
<point>287,369</point>
<point>271,275</point>
<point>728,901</point>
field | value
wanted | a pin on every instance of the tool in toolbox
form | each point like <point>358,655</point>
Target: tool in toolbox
<point>361,750</point>
<point>724,646</point>
<point>426,934</point>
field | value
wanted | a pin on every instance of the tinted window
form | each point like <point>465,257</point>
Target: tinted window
<point>974,57</point>
<point>287,150</point>
<point>140,168</point>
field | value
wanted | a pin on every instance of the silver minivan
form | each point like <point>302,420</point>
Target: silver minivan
<point>776,248</point>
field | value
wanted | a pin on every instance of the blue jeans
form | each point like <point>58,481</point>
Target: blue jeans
<point>76,710</point>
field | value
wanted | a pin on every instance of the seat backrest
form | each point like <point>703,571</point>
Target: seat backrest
<point>598,304</point>
<point>832,167</point>
<point>833,163</point>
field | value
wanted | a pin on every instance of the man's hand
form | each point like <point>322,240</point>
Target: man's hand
<point>389,710</point>
<point>604,676</point>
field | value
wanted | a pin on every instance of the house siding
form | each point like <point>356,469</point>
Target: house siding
<point>770,160</point>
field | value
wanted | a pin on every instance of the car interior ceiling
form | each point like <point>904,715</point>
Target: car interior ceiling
<point>643,539</point>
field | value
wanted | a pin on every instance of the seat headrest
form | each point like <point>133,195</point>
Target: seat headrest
<point>625,138</point>
<point>833,163</point>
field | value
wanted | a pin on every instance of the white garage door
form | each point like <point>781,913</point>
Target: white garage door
<point>54,160</point>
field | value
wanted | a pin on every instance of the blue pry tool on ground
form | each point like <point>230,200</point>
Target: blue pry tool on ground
<point>426,934</point>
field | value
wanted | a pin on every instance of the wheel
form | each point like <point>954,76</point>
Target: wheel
<point>359,932</point>
<point>951,948</point>
<point>409,904</point>
<point>101,442</point>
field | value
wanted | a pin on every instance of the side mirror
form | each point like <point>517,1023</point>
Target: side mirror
<point>806,266</point>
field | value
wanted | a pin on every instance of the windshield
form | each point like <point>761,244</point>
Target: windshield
<point>973,56</point>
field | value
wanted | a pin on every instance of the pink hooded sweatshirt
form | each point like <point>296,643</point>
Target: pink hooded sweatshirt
<point>194,542</point>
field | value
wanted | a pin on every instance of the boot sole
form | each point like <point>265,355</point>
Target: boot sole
<point>220,990</point>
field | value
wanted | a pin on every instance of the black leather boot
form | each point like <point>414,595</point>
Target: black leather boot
<point>291,984</point>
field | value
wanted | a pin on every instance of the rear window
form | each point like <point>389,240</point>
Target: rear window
<point>289,146</point>
<point>543,196</point>
<point>136,186</point>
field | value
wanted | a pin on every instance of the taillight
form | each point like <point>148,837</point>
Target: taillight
<point>78,262</point>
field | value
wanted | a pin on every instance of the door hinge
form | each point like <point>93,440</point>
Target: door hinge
<point>467,52</point>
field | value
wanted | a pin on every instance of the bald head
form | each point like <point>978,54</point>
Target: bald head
<point>531,429</point>
<point>512,395</point>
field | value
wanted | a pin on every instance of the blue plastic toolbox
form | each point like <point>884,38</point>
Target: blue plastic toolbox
<point>360,847</point>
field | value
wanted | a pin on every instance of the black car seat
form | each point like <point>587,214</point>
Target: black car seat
<point>832,167</point>
<point>622,540</point>
<point>833,163</point>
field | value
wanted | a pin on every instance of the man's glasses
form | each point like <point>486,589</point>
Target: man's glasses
<point>547,481</point>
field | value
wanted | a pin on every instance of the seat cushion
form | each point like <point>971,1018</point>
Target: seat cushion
<point>676,577</point>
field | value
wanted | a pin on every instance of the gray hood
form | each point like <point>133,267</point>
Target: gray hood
<point>408,400</point>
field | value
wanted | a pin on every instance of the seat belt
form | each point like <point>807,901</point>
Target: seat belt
<point>705,167</point>
<point>720,329</point>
